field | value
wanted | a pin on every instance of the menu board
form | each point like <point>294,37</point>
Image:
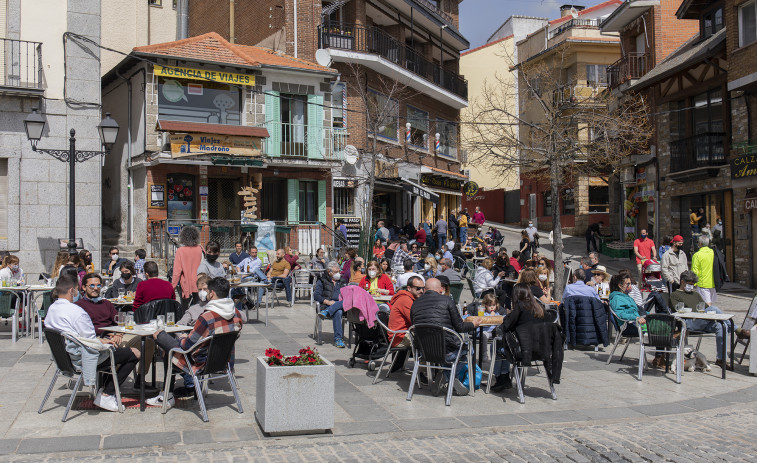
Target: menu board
<point>354,225</point>
<point>157,198</point>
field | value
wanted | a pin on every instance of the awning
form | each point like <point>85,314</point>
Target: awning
<point>418,190</point>
<point>220,129</point>
<point>445,192</point>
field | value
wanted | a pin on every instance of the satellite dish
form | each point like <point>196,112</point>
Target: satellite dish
<point>350,155</point>
<point>573,12</point>
<point>323,57</point>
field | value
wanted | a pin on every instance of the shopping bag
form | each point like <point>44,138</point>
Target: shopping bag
<point>463,376</point>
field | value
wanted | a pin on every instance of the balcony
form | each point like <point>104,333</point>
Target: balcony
<point>433,8</point>
<point>576,22</point>
<point>703,153</point>
<point>21,67</point>
<point>304,141</point>
<point>372,40</point>
<point>630,67</point>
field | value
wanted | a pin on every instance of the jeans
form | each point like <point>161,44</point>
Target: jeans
<point>442,239</point>
<point>463,235</point>
<point>463,361</point>
<point>286,282</point>
<point>335,312</point>
<point>384,308</point>
<point>709,326</point>
<point>126,361</point>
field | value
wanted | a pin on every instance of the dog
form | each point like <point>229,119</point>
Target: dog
<point>692,360</point>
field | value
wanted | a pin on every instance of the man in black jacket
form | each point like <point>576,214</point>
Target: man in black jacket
<point>434,308</point>
<point>326,293</point>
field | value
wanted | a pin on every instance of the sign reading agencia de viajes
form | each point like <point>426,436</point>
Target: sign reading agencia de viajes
<point>205,74</point>
<point>193,144</point>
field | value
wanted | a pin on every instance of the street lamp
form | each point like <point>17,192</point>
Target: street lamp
<point>34,124</point>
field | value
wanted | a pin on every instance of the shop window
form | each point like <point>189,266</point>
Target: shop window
<point>568,202</point>
<point>447,138</point>
<point>599,199</point>
<point>344,201</point>
<point>547,202</point>
<point>747,23</point>
<point>596,75</point>
<point>3,199</point>
<point>198,101</point>
<point>418,127</point>
<point>338,106</point>
<point>308,201</point>
<point>712,22</point>
<point>383,113</point>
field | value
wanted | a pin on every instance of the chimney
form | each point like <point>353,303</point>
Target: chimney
<point>565,9</point>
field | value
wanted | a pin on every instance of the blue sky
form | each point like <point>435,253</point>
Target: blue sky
<point>480,18</point>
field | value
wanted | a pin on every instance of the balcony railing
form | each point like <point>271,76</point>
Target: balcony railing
<point>632,66</point>
<point>363,39</point>
<point>702,150</point>
<point>573,23</point>
<point>435,9</point>
<point>305,141</point>
<point>21,64</point>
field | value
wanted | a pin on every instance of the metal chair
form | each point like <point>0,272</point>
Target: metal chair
<point>628,331</point>
<point>391,335</point>
<point>151,310</point>
<point>746,325</point>
<point>301,283</point>
<point>472,290</point>
<point>661,330</point>
<point>65,366</point>
<point>431,346</point>
<point>9,310</point>
<point>47,300</point>
<point>220,348</point>
<point>455,290</point>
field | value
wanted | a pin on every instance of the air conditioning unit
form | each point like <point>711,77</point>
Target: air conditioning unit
<point>466,172</point>
<point>627,175</point>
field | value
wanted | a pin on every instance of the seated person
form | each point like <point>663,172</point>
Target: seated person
<point>415,250</point>
<point>502,263</point>
<point>238,255</point>
<point>63,315</point>
<point>153,287</point>
<point>220,316</point>
<point>690,297</point>
<point>399,317</point>
<point>621,303</point>
<point>420,236</point>
<point>319,261</point>
<point>515,261</point>
<point>577,287</point>
<point>194,311</point>
<point>210,265</point>
<point>429,267</point>
<point>292,258</point>
<point>326,293</point>
<point>127,282</point>
<point>376,282</point>
<point>356,273</point>
<point>601,280</point>
<point>446,253</point>
<point>252,265</point>
<point>529,277</point>
<point>485,281</point>
<point>100,311</point>
<point>379,249</point>
<point>491,307</point>
<point>445,269</point>
<point>543,275</point>
<point>279,274</point>
<point>403,278</point>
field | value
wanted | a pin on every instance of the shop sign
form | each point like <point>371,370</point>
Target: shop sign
<point>223,77</point>
<point>744,166</point>
<point>344,183</point>
<point>470,189</point>
<point>421,192</point>
<point>157,198</point>
<point>750,204</point>
<point>250,203</point>
<point>441,182</point>
<point>193,144</point>
<point>354,226</point>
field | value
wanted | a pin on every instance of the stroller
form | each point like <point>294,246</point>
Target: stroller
<point>370,343</point>
<point>651,276</point>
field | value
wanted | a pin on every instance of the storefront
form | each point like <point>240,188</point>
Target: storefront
<point>639,210</point>
<point>448,186</point>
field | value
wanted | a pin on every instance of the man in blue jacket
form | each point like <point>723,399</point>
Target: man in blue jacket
<point>326,293</point>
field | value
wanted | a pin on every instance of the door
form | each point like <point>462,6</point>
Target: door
<point>532,208</point>
<point>274,200</point>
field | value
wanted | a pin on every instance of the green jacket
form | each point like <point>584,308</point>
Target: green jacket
<point>624,307</point>
<point>701,264</point>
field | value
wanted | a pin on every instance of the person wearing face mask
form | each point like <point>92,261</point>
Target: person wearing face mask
<point>100,310</point>
<point>153,287</point>
<point>446,253</point>
<point>326,293</point>
<point>11,272</point>
<point>210,265</point>
<point>358,271</point>
<point>674,262</point>
<point>195,310</point>
<point>644,249</point>
<point>128,281</point>
<point>115,261</point>
<point>430,265</point>
<point>687,295</point>
<point>377,283</point>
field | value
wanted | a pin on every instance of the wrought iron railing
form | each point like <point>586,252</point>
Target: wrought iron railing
<point>435,9</point>
<point>365,39</point>
<point>21,64</point>
<point>632,66</point>
<point>571,24</point>
<point>702,150</point>
<point>306,141</point>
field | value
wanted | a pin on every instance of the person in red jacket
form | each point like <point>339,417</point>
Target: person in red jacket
<point>153,287</point>
<point>420,236</point>
<point>399,316</point>
<point>377,282</point>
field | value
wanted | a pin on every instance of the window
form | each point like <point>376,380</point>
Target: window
<point>547,201</point>
<point>447,138</point>
<point>4,199</point>
<point>568,203</point>
<point>383,113</point>
<point>534,89</point>
<point>308,201</point>
<point>596,75</point>
<point>712,22</point>
<point>198,101</point>
<point>418,127</point>
<point>599,199</point>
<point>677,120</point>
<point>293,123</point>
<point>339,105</point>
<point>155,2</point>
<point>747,24</point>
<point>708,112</point>
<point>344,201</point>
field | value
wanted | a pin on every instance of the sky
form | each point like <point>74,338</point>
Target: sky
<point>480,18</point>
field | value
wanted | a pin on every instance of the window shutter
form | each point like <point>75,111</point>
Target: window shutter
<point>322,201</point>
<point>273,123</point>
<point>3,199</point>
<point>293,191</point>
<point>315,126</point>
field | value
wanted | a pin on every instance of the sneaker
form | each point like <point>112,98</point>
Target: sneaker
<point>422,379</point>
<point>324,314</point>
<point>157,401</point>
<point>98,395</point>
<point>182,392</point>
<point>107,402</point>
<point>339,343</point>
<point>459,388</point>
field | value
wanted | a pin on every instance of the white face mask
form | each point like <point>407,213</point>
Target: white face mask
<point>543,277</point>
<point>336,276</point>
<point>372,273</point>
<point>114,257</point>
<point>427,267</point>
<point>688,288</point>
<point>203,295</point>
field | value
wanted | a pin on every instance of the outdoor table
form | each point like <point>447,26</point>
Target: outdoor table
<point>381,298</point>
<point>257,284</point>
<point>121,302</point>
<point>721,318</point>
<point>143,331</point>
<point>489,320</point>
<point>30,290</point>
<point>21,293</point>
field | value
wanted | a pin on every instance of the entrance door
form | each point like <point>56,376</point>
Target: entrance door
<point>532,208</point>
<point>274,200</point>
<point>223,200</point>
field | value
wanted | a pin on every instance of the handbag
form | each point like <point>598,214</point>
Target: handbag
<point>463,377</point>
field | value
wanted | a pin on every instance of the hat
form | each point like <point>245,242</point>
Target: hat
<point>601,269</point>
<point>676,238</point>
<point>444,280</point>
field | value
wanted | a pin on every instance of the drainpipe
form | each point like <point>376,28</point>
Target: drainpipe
<point>182,19</point>
<point>295,28</point>
<point>231,21</point>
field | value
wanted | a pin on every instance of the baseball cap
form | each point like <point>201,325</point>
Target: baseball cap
<point>676,238</point>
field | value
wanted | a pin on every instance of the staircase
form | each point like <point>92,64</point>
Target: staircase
<point>111,237</point>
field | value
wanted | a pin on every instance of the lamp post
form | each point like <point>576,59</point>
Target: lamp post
<point>34,124</point>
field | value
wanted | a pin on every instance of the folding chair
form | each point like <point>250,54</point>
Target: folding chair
<point>391,335</point>
<point>301,283</point>
<point>455,290</point>
<point>746,325</point>
<point>47,300</point>
<point>65,366</point>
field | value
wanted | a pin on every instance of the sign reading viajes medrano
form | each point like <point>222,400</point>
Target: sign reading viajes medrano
<point>193,144</point>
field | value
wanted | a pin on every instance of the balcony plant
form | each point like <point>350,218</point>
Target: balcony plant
<point>294,394</point>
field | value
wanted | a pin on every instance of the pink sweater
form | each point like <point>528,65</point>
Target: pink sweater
<point>356,297</point>
<point>185,265</point>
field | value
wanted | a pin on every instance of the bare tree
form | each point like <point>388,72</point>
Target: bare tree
<point>563,129</point>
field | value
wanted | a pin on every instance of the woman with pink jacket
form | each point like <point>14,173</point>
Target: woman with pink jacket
<point>185,263</point>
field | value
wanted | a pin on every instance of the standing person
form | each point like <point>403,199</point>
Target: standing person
<point>408,230</point>
<point>238,255</point>
<point>185,264</point>
<point>210,265</point>
<point>702,219</point>
<point>452,225</point>
<point>694,219</point>
<point>532,233</point>
<point>644,249</point>
<point>115,260</point>
<point>341,230</point>
<point>382,232</point>
<point>153,287</point>
<point>462,223</point>
<point>478,217</point>
<point>139,261</point>
<point>674,263</point>
<point>593,234</point>
<point>326,293</point>
<point>717,234</point>
<point>702,263</point>
<point>525,246</point>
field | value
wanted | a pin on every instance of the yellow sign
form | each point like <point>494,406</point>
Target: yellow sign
<point>205,74</point>
<point>194,144</point>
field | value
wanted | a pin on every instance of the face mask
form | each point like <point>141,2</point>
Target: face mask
<point>336,277</point>
<point>203,295</point>
<point>720,222</point>
<point>688,288</point>
<point>643,237</point>
<point>372,273</point>
<point>438,257</point>
<point>530,225</point>
<point>427,267</point>
<point>76,297</point>
<point>14,268</point>
<point>211,257</point>
<point>543,277</point>
<point>126,276</point>
<point>114,257</point>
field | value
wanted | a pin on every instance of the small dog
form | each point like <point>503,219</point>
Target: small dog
<point>692,360</point>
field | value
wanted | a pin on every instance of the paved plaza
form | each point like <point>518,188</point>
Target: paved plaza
<point>602,412</point>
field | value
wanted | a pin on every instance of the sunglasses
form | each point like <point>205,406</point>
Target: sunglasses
<point>419,288</point>
<point>95,286</point>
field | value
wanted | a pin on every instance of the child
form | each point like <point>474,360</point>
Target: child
<point>10,272</point>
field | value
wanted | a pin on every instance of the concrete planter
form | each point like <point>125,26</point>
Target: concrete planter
<point>294,399</point>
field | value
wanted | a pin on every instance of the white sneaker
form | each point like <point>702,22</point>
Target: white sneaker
<point>107,402</point>
<point>98,396</point>
<point>157,401</point>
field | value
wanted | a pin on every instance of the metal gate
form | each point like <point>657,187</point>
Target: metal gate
<point>224,205</point>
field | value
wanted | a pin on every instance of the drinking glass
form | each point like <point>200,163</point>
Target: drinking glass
<point>161,322</point>
<point>121,292</point>
<point>129,321</point>
<point>481,312</point>
<point>121,318</point>
<point>170,319</point>
<point>700,307</point>
<point>679,306</point>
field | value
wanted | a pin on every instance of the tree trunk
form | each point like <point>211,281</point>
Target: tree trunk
<point>367,242</point>
<point>554,183</point>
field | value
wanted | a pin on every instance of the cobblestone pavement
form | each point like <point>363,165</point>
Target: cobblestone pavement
<point>722,435</point>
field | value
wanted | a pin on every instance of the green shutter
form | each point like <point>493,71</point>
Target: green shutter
<point>293,192</point>
<point>273,123</point>
<point>315,126</point>
<point>322,201</point>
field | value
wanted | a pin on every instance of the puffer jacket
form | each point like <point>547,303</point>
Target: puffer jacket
<point>433,308</point>
<point>586,321</point>
<point>538,339</point>
<point>326,288</point>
